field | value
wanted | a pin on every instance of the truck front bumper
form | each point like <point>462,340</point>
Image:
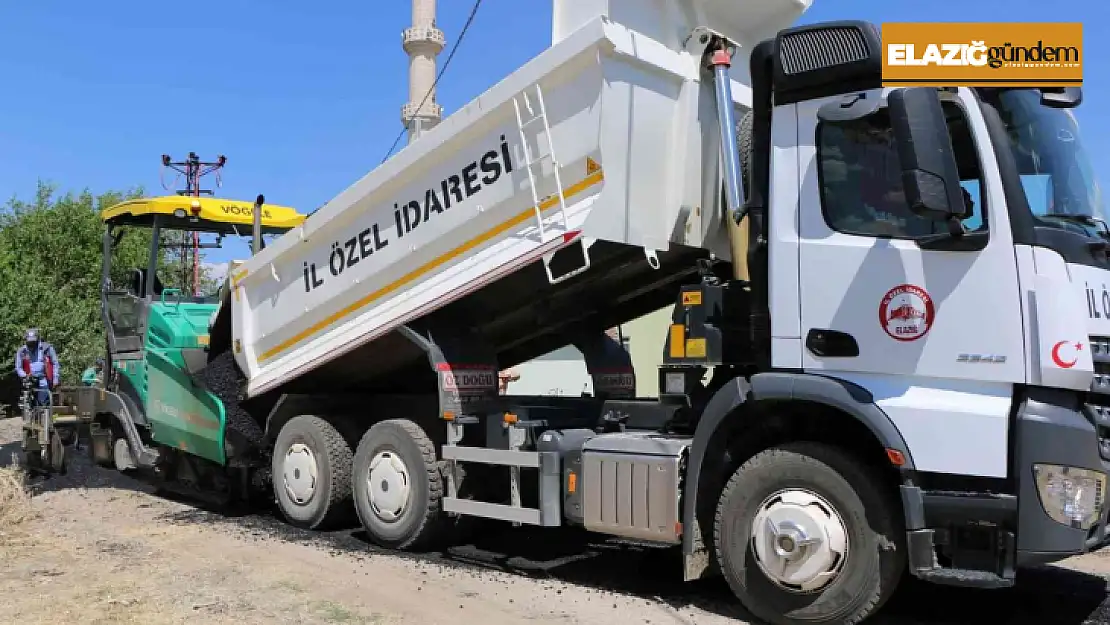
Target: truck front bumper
<point>1052,432</point>
<point>1054,428</point>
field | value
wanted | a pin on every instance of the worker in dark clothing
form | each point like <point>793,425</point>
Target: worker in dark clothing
<point>37,362</point>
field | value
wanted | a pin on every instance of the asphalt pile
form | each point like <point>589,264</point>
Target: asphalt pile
<point>223,378</point>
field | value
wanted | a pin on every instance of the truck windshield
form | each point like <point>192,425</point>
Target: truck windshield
<point>1058,179</point>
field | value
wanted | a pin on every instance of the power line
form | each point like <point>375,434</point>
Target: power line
<point>446,62</point>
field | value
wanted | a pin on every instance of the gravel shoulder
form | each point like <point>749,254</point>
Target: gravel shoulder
<point>101,548</point>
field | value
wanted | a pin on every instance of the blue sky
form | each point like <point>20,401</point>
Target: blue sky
<point>305,99</point>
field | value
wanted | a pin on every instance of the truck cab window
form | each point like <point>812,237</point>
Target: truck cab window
<point>1056,173</point>
<point>861,184</point>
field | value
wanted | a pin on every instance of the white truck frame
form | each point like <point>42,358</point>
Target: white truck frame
<point>863,418</point>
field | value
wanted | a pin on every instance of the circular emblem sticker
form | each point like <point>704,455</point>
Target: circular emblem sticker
<point>906,312</point>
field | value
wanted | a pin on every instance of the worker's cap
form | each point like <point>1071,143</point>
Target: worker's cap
<point>32,335</point>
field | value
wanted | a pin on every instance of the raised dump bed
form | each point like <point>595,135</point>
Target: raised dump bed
<point>574,194</point>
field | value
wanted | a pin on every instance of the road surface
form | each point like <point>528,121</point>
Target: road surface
<point>104,549</point>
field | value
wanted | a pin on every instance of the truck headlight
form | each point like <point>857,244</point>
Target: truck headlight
<point>1069,495</point>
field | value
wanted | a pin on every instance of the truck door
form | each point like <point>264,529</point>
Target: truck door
<point>937,320</point>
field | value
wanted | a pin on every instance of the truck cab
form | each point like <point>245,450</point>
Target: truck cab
<point>963,294</point>
<point>935,267</point>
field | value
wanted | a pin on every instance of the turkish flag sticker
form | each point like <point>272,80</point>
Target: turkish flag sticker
<point>1065,354</point>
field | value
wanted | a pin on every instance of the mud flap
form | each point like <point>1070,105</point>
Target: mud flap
<point>466,375</point>
<point>609,366</point>
<point>466,372</point>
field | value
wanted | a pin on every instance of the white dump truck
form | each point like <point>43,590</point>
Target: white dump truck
<point>890,348</point>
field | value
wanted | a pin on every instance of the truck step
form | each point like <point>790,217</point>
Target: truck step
<point>500,457</point>
<point>549,514</point>
<point>534,120</point>
<point>964,577</point>
<point>539,159</point>
<point>502,512</point>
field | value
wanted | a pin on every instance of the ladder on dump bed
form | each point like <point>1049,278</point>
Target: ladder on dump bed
<point>540,117</point>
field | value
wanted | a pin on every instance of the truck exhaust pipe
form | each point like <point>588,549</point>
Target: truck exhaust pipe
<point>256,229</point>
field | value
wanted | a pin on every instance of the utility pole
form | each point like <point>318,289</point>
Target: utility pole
<point>193,169</point>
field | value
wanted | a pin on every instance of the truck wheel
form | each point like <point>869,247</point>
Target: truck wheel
<point>804,534</point>
<point>122,458</point>
<point>744,145</point>
<point>397,485</point>
<point>68,435</point>
<point>311,468</point>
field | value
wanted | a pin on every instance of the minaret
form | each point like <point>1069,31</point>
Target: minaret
<point>422,42</point>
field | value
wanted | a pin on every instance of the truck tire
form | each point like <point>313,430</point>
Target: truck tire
<point>398,485</point>
<point>781,497</point>
<point>744,145</point>
<point>68,435</point>
<point>311,468</point>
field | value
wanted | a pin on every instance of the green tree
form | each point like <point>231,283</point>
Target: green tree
<point>50,272</point>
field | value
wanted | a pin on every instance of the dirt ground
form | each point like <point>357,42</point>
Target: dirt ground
<point>95,547</point>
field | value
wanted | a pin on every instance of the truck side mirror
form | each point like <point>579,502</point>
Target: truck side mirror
<point>930,176</point>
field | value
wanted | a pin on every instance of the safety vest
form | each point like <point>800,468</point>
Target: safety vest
<point>48,362</point>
